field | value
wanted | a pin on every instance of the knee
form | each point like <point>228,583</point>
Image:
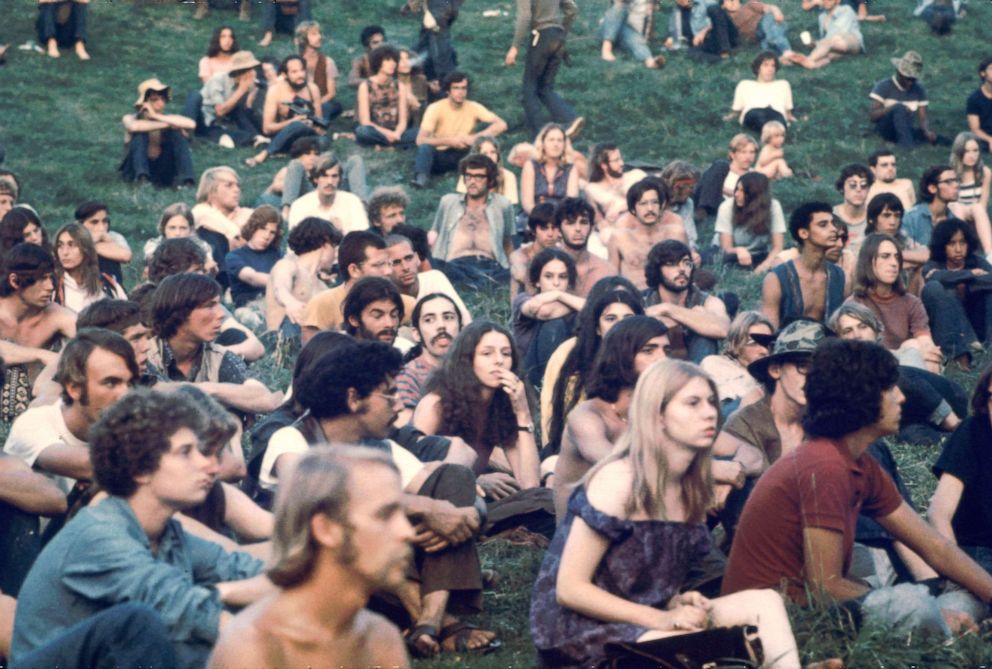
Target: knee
<point>460,453</point>
<point>456,483</point>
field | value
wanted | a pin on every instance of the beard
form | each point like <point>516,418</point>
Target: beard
<point>614,174</point>
<point>674,287</point>
<point>386,336</point>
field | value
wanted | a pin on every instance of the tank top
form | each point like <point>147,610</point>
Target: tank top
<point>970,193</point>
<point>553,191</point>
<point>384,103</point>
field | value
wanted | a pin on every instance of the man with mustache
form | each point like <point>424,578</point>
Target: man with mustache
<point>279,122</point>
<point>437,320</point>
<point>649,223</point>
<point>344,506</point>
<point>373,310</point>
<point>696,320</point>
<point>416,284</point>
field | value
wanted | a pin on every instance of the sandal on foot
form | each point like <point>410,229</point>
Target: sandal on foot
<point>460,633</point>
<point>418,648</point>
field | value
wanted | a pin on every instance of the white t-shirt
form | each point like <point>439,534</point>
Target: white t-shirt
<point>751,94</point>
<point>434,281</point>
<point>291,440</point>
<point>35,430</point>
<point>347,213</point>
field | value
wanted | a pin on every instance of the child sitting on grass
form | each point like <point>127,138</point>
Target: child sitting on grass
<point>771,159</point>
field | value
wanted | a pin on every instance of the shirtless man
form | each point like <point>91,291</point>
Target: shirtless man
<point>279,122</point>
<point>608,186</point>
<point>651,223</point>
<point>297,276</point>
<point>475,231</point>
<point>883,165</point>
<point>809,286</point>
<point>573,220</point>
<point>541,224</point>
<point>593,426</point>
<point>345,507</point>
<point>30,323</point>
<point>696,320</point>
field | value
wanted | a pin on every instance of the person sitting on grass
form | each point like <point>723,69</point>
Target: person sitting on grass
<point>112,248</point>
<point>607,188</point>
<point>879,285</point>
<point>763,24</point>
<point>342,536</point>
<point>544,235</point>
<point>747,340</point>
<point>343,209</point>
<point>958,292</point>
<point>371,38</point>
<point>321,69</point>
<point>550,176</point>
<point>9,190</point>
<point>218,214</point>
<point>297,277</point>
<point>574,220</point>
<point>227,102</point>
<point>959,506</point>
<point>979,106</point>
<point>542,320</point>
<point>882,164</point>
<point>383,114</point>
<point>223,45</point>
<point>885,214</point>
<point>771,158</point>
<point>292,110</point>
<point>62,23</point>
<point>248,266</point>
<point>840,34</point>
<point>78,279</point>
<point>719,180</point>
<point>798,524</point>
<point>935,405</point>
<point>506,181</point>
<point>859,6</point>
<point>176,222</point>
<point>414,282</point>
<point>704,27</point>
<point>627,23</point>
<point>975,176</point>
<point>22,225</point>
<point>477,394</point>
<point>763,99</point>
<point>593,427</point>
<point>853,184</point>
<point>750,228</point>
<point>156,143</point>
<point>633,528</point>
<point>894,102</point>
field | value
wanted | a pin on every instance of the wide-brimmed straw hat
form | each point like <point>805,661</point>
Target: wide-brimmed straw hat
<point>147,86</point>
<point>910,65</point>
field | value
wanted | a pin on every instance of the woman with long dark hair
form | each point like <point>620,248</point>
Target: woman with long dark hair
<point>477,394</point>
<point>223,45</point>
<point>611,300</point>
<point>22,224</point>
<point>750,227</point>
<point>78,280</point>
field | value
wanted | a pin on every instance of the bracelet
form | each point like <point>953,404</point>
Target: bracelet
<point>526,428</point>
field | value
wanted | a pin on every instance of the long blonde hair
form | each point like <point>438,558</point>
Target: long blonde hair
<point>642,444</point>
<point>566,154</point>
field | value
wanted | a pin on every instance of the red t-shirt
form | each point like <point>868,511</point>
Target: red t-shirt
<point>817,485</point>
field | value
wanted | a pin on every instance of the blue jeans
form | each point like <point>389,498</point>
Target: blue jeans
<point>273,19</point>
<point>899,126</point>
<point>615,28</point>
<point>956,323</point>
<point>20,543</point>
<point>540,70</point>
<point>699,346</point>
<point>369,136</point>
<point>240,124</point>
<point>175,163</point>
<point>285,137</point>
<point>65,34</point>
<point>980,554</point>
<point>548,336</point>
<point>939,18</point>
<point>772,35</point>
<point>125,635</point>
<point>430,160</point>
<point>434,46</point>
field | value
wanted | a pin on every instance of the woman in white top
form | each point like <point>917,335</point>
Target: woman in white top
<point>748,339</point>
<point>757,101</point>
<point>223,45</point>
<point>78,281</point>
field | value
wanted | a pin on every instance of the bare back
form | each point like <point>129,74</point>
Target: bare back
<point>591,430</point>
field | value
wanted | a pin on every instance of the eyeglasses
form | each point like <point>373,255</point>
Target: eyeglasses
<point>952,180</point>
<point>389,397</point>
<point>857,185</point>
<point>468,176</point>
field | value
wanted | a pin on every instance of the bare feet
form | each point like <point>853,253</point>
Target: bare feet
<point>266,40</point>
<point>959,622</point>
<point>81,51</point>
<point>53,48</point>
<point>201,10</point>
<point>607,52</point>
<point>655,63</point>
<point>257,159</point>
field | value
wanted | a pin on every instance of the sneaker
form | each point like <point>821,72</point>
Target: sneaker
<point>226,141</point>
<point>420,180</point>
<point>575,127</point>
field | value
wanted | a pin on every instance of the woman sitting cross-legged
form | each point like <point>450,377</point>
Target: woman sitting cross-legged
<point>634,527</point>
<point>750,227</point>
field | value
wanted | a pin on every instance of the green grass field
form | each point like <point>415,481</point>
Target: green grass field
<point>60,124</point>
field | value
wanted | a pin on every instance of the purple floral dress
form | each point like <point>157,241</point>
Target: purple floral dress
<point>646,562</point>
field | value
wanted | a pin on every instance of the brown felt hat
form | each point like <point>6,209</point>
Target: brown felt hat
<point>147,86</point>
<point>243,60</point>
<point>910,65</point>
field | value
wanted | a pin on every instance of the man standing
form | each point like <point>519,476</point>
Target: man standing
<point>475,231</point>
<point>228,98</point>
<point>436,322</point>
<point>157,143</point>
<point>292,104</point>
<point>573,220</point>
<point>544,24</point>
<point>186,318</point>
<point>413,283</point>
<point>345,506</point>
<point>696,320</point>
<point>30,323</point>
<point>446,130</point>
<point>362,253</point>
<point>979,107</point>
<point>798,525</point>
<point>146,453</point>
<point>808,286</point>
<point>647,202</point>
<point>883,166</point>
<point>895,100</point>
<point>345,210</point>
<point>609,183</point>
<point>939,187</point>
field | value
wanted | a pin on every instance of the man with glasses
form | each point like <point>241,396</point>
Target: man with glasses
<point>939,188</point>
<point>475,230</point>
<point>809,286</point>
<point>883,168</point>
<point>853,184</point>
<point>894,102</point>
<point>362,253</point>
<point>696,320</point>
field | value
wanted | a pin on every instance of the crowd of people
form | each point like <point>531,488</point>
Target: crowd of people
<point>690,464</point>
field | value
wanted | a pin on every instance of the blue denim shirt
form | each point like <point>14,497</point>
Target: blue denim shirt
<point>918,223</point>
<point>699,21</point>
<point>103,557</point>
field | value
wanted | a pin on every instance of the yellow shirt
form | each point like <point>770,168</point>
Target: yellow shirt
<point>441,119</point>
<point>323,311</point>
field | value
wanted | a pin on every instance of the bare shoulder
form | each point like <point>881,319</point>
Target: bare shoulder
<point>382,641</point>
<point>243,642</point>
<point>610,488</point>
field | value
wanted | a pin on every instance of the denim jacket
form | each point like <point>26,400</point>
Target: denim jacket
<point>698,21</point>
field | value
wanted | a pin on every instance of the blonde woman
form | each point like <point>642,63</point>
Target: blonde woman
<point>549,176</point>
<point>634,526</point>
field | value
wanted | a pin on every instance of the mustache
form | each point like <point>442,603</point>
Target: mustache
<point>440,336</point>
<point>388,331</point>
